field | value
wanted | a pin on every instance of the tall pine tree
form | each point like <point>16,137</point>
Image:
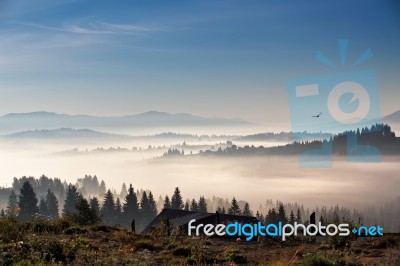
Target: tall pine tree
<point>108,209</point>
<point>52,205</point>
<point>176,200</point>
<point>43,207</point>
<point>12,207</point>
<point>167,202</point>
<point>282,214</point>
<point>202,207</point>
<point>147,209</point>
<point>130,207</point>
<point>194,206</point>
<point>187,206</point>
<point>153,206</point>
<point>71,200</point>
<point>95,205</point>
<point>246,210</point>
<point>118,212</point>
<point>84,215</point>
<point>298,216</point>
<point>124,190</point>
<point>27,203</point>
<point>292,218</point>
<point>234,209</point>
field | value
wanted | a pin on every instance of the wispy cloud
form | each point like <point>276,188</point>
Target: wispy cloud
<point>96,27</point>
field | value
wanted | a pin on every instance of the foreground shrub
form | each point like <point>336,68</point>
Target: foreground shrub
<point>233,254</point>
<point>11,230</point>
<point>182,251</point>
<point>316,260</point>
<point>146,244</point>
<point>75,230</point>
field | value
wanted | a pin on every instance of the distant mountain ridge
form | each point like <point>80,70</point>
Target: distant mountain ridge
<point>63,133</point>
<point>14,122</point>
<point>393,117</point>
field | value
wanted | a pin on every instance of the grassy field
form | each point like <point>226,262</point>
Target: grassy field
<point>60,242</point>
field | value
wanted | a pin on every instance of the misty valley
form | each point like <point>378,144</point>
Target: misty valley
<point>89,190</point>
<point>211,165</point>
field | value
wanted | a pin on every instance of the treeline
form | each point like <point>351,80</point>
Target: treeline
<point>25,203</point>
<point>378,135</point>
<point>88,202</point>
<point>284,136</point>
<point>111,211</point>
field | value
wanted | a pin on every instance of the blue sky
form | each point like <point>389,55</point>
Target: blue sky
<point>210,58</point>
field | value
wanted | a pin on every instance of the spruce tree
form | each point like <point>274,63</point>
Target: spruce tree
<point>271,217</point>
<point>292,218</point>
<point>124,190</point>
<point>102,188</point>
<point>108,209</point>
<point>176,200</point>
<point>167,203</point>
<point>12,207</point>
<point>71,200</point>
<point>85,215</point>
<point>234,209</point>
<point>145,210</point>
<point>322,220</point>
<point>152,206</point>
<point>202,207</point>
<point>194,206</point>
<point>52,205</point>
<point>95,205</point>
<point>223,210</point>
<point>118,212</point>
<point>27,203</point>
<point>282,214</point>
<point>187,207</point>
<point>298,216</point>
<point>131,207</point>
<point>246,210</point>
<point>43,210</point>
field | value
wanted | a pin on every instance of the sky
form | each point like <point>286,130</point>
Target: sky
<point>228,59</point>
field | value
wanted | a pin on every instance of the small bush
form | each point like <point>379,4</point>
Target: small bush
<point>316,260</point>
<point>383,242</point>
<point>55,251</point>
<point>144,244</point>
<point>233,254</point>
<point>340,242</point>
<point>11,230</point>
<point>59,225</point>
<point>123,236</point>
<point>75,230</point>
<point>102,228</point>
<point>40,225</point>
<point>79,243</point>
<point>170,244</point>
<point>182,252</point>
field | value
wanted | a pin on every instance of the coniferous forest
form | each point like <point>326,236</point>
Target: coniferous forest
<point>89,201</point>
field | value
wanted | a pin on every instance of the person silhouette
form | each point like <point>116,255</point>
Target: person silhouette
<point>133,226</point>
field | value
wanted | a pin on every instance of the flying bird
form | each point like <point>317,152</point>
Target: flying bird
<point>317,115</point>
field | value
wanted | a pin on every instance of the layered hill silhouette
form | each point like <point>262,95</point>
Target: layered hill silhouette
<point>15,122</point>
<point>63,134</point>
<point>377,136</point>
<point>392,118</point>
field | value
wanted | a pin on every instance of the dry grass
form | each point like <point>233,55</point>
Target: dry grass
<point>58,242</point>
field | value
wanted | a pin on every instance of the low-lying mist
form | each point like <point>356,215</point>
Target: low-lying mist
<point>253,179</point>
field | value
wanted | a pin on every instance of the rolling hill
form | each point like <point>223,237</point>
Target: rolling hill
<point>15,122</point>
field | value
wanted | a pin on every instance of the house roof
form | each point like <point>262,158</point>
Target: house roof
<point>182,217</point>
